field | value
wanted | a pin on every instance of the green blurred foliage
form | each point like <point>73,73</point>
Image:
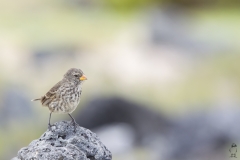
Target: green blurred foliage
<point>126,5</point>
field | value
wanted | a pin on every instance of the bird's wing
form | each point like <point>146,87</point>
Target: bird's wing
<point>51,94</point>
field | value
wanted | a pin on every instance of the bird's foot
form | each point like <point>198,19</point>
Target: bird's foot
<point>49,127</point>
<point>75,125</point>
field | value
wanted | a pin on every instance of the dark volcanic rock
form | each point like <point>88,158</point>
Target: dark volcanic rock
<point>145,123</point>
<point>63,144</point>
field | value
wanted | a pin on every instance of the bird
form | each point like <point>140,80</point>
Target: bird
<point>64,96</point>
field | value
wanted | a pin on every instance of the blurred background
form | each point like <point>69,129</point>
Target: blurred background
<point>163,75</point>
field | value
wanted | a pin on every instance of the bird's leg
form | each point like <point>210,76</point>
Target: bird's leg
<point>49,125</point>
<point>73,121</point>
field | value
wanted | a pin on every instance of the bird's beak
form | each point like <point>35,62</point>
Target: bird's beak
<point>83,78</point>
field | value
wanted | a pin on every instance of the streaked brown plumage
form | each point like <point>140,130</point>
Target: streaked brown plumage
<point>64,96</point>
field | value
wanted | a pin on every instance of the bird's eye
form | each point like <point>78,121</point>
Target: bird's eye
<point>76,75</point>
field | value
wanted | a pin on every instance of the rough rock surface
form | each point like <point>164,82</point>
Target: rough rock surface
<point>61,143</point>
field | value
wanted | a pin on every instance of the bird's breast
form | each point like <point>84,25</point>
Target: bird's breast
<point>67,100</point>
<point>73,97</point>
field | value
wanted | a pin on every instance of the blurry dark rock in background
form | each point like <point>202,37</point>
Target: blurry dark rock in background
<point>202,135</point>
<point>133,124</point>
<point>144,122</point>
<point>15,106</point>
<point>193,136</point>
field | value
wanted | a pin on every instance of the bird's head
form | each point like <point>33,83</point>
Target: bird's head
<point>75,75</point>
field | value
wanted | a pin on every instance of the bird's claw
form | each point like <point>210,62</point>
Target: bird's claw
<point>75,125</point>
<point>49,127</point>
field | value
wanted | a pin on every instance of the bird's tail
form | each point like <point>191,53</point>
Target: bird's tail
<point>37,99</point>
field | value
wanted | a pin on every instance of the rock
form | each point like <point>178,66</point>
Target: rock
<point>63,144</point>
